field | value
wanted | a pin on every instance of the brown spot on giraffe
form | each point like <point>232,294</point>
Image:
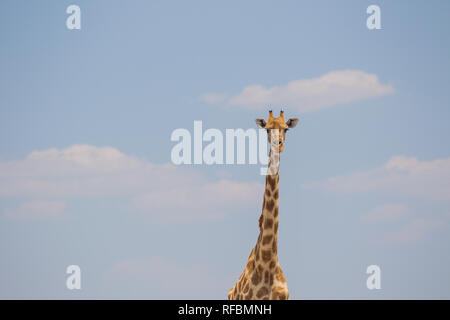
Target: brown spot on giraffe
<point>270,204</point>
<point>256,278</point>
<point>268,223</point>
<point>267,239</point>
<point>275,194</point>
<point>260,269</point>
<point>260,221</point>
<point>262,292</point>
<point>271,182</point>
<point>272,264</point>
<point>262,277</point>
<point>266,255</point>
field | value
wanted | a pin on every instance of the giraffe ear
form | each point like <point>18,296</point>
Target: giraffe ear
<point>292,122</point>
<point>261,123</point>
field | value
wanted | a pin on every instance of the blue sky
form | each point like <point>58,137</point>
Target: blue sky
<point>85,123</point>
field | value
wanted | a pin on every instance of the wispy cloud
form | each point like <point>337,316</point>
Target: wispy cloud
<point>415,231</point>
<point>213,98</point>
<point>307,95</point>
<point>400,175</point>
<point>206,201</point>
<point>36,210</point>
<point>85,170</point>
<point>386,212</point>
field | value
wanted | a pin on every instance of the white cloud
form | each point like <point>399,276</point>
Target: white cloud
<point>386,212</point>
<point>400,175</point>
<point>85,170</point>
<point>306,95</point>
<point>415,231</point>
<point>213,98</point>
<point>36,209</point>
<point>198,202</point>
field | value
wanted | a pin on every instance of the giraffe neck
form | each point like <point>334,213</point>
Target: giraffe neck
<point>266,247</point>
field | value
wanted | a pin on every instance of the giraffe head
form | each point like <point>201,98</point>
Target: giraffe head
<point>276,129</point>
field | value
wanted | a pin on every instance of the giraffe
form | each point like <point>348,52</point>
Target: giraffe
<point>262,277</point>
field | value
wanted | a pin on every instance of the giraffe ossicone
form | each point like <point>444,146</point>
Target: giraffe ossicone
<point>262,277</point>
